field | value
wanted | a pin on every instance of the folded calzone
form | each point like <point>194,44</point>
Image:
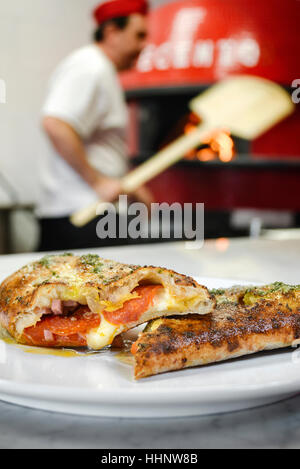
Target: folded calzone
<point>75,301</point>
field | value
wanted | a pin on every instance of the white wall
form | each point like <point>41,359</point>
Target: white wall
<point>34,36</point>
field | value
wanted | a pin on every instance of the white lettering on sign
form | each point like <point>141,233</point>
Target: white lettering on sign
<point>183,50</point>
<point>226,50</point>
<point>186,24</point>
<point>248,52</point>
<point>183,34</point>
<point>163,56</point>
<point>181,54</point>
<point>145,63</point>
<point>224,54</point>
<point>203,54</point>
<point>2,92</point>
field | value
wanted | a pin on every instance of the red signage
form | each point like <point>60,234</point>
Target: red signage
<point>202,41</point>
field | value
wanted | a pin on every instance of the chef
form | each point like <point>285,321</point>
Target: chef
<point>85,120</point>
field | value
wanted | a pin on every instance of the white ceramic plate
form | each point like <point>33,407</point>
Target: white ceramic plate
<point>101,385</point>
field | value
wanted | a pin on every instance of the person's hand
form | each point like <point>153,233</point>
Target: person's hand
<point>108,189</point>
<point>144,195</point>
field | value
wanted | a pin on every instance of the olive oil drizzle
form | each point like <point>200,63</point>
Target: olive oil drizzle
<point>62,352</point>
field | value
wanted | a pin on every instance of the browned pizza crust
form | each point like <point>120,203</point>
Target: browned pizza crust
<point>89,280</point>
<point>270,320</point>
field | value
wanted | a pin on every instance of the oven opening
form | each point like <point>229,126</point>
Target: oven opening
<point>158,120</point>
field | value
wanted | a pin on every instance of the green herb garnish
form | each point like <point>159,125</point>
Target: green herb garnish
<point>93,260</point>
<point>217,292</point>
<point>45,261</point>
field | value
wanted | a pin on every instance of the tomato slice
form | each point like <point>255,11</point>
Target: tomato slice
<point>67,331</point>
<point>132,310</point>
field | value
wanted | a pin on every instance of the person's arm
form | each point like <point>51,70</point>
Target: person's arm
<point>70,147</point>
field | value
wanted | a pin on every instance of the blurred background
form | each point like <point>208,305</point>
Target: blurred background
<point>250,188</point>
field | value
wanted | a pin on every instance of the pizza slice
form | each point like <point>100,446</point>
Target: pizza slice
<point>246,320</point>
<point>72,301</point>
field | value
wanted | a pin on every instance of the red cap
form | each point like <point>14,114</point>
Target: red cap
<point>117,8</point>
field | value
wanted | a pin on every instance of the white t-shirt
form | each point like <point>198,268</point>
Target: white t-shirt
<point>84,92</point>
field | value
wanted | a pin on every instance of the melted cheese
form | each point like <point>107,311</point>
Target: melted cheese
<point>27,320</point>
<point>165,302</point>
<point>110,307</point>
<point>104,335</point>
<point>106,332</point>
<point>153,325</point>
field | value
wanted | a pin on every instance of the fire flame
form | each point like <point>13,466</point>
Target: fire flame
<point>219,144</point>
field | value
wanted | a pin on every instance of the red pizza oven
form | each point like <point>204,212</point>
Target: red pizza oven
<point>193,44</point>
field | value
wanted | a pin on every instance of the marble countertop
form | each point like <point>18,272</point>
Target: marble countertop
<point>273,426</point>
